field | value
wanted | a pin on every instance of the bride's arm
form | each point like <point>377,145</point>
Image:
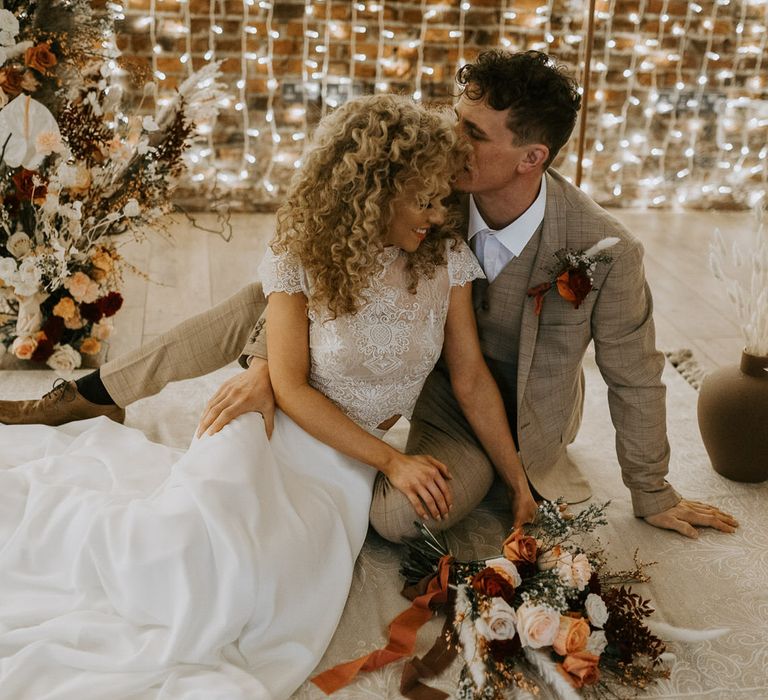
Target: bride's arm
<point>480,399</point>
<point>420,477</point>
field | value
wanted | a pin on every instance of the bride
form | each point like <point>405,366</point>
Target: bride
<point>131,570</point>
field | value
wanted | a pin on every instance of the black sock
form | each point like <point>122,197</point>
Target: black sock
<point>93,389</point>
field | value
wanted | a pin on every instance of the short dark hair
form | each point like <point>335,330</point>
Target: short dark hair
<point>543,101</point>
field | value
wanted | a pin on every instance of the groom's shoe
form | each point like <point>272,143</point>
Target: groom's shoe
<point>63,404</point>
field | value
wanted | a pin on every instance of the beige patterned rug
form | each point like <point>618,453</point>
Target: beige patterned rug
<point>715,581</point>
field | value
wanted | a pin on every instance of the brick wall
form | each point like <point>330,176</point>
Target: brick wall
<point>678,113</point>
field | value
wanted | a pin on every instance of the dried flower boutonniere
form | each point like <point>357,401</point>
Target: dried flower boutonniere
<point>572,274</point>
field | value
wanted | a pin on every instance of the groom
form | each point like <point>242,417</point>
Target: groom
<point>517,110</point>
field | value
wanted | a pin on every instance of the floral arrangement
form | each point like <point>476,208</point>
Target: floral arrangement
<point>747,286</point>
<point>572,274</point>
<point>76,173</point>
<point>547,609</point>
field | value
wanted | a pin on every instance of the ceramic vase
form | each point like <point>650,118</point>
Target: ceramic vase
<point>733,419</point>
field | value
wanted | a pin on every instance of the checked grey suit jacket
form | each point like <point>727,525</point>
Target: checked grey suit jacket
<point>617,317</point>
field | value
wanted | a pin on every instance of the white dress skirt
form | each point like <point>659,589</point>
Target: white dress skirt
<point>133,570</point>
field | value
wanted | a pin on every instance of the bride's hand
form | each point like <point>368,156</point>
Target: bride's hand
<point>248,391</point>
<point>424,482</point>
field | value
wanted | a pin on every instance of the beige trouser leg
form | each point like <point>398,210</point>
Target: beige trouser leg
<point>195,347</point>
<point>438,428</point>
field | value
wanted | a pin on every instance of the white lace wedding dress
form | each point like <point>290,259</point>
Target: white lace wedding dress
<point>132,570</point>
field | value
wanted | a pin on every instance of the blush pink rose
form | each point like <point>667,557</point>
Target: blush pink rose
<point>537,625</point>
<point>24,347</point>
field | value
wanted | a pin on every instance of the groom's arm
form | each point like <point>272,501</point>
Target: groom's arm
<point>625,350</point>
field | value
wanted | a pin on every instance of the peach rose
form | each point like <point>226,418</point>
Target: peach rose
<point>90,346</point>
<point>572,635</point>
<point>82,288</point>
<point>24,347</point>
<point>75,323</point>
<point>102,260</point>
<point>66,308</point>
<point>574,571</point>
<point>537,625</point>
<point>581,669</point>
<point>40,58</point>
<point>519,547</point>
<point>507,569</point>
<point>101,331</point>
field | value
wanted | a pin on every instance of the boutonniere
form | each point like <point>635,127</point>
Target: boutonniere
<point>572,273</point>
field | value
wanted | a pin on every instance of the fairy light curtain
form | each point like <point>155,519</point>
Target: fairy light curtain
<point>678,111</point>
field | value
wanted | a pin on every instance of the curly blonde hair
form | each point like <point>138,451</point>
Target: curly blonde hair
<point>336,214</point>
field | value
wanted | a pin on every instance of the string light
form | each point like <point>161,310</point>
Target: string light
<point>676,112</point>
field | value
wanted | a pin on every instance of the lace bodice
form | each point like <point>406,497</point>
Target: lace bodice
<point>373,363</point>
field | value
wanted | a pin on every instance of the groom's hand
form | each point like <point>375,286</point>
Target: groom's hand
<point>686,514</point>
<point>248,391</point>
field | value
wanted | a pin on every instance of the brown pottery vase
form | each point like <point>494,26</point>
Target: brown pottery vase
<point>733,419</point>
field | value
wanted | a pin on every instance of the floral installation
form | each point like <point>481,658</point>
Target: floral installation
<point>77,175</point>
<point>546,609</point>
<point>747,283</point>
<point>572,274</point>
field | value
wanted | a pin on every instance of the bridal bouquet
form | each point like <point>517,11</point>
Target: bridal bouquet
<point>75,173</point>
<point>547,609</point>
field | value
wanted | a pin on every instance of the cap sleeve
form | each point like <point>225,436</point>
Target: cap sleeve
<point>280,273</point>
<point>462,265</point>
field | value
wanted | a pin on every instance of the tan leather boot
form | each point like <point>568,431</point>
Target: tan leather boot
<point>63,404</point>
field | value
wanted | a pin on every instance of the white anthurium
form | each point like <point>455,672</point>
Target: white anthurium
<point>22,122</point>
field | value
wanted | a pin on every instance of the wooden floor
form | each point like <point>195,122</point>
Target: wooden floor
<point>192,270</point>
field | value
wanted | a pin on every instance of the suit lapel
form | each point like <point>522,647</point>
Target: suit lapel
<point>553,238</point>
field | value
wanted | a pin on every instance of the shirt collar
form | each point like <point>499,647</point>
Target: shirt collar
<point>514,236</point>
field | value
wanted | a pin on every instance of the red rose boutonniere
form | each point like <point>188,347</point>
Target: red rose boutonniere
<point>572,275</point>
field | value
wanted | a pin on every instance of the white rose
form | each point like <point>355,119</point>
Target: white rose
<point>498,622</point>
<point>8,22</point>
<point>7,269</point>
<point>30,316</point>
<point>131,208</point>
<point>537,625</point>
<point>19,244</point>
<point>507,569</point>
<point>65,359</point>
<point>549,559</point>
<point>596,643</point>
<point>596,610</point>
<point>27,281</point>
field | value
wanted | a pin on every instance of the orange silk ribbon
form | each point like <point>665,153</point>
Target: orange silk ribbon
<point>402,635</point>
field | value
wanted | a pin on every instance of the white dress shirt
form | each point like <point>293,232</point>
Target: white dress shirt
<point>494,249</point>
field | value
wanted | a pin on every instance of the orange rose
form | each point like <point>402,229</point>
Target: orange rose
<point>90,346</point>
<point>572,635</point>
<point>66,308</point>
<point>40,58</point>
<point>519,547</point>
<point>573,286</point>
<point>11,81</point>
<point>581,669</point>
